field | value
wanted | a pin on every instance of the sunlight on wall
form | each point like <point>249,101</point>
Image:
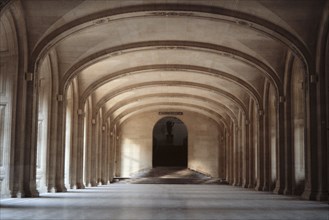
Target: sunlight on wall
<point>130,157</point>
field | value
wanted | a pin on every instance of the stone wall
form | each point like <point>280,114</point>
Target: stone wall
<point>135,149</point>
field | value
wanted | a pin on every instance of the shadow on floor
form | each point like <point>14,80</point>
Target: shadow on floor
<point>169,175</point>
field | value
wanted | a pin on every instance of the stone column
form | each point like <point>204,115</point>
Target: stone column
<point>231,153</point>
<point>251,153</point>
<point>111,154</point>
<point>51,154</point>
<point>88,164</point>
<point>228,158</point>
<point>235,155</point>
<point>260,151</point>
<point>79,151</point>
<point>288,150</point>
<point>99,152</point>
<point>93,180</point>
<point>317,144</point>
<point>17,152</point>
<point>103,158</point>
<point>238,161</point>
<point>115,153</point>
<point>240,152</point>
<point>316,187</point>
<point>267,152</point>
<point>221,154</point>
<point>60,157</point>
<point>73,146</point>
<point>30,140</point>
<point>280,182</point>
<point>233,149</point>
<point>246,155</point>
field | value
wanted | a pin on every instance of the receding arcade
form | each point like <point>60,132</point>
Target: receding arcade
<point>94,93</point>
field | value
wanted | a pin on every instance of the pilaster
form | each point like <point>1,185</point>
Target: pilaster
<point>104,159</point>
<point>316,184</point>
<point>235,156</point>
<point>260,151</point>
<point>60,157</point>
<point>79,150</point>
<point>280,182</point>
<point>93,180</point>
<point>267,153</point>
<point>245,158</point>
<point>251,178</point>
<point>30,148</point>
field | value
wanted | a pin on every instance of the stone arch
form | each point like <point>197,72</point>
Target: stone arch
<point>8,84</point>
<point>219,91</point>
<point>289,39</point>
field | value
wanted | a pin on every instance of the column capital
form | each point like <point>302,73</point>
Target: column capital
<point>59,97</point>
<point>29,76</point>
<point>80,112</point>
<point>314,78</point>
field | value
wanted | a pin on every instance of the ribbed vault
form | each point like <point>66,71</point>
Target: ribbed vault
<point>93,69</point>
<point>203,46</point>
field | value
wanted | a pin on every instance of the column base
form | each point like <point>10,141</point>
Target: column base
<point>322,196</point>
<point>51,190</point>
<point>259,188</point>
<point>251,186</point>
<point>315,195</point>
<point>30,193</point>
<point>16,194</point>
<point>80,186</point>
<point>5,193</point>
<point>266,188</point>
<point>61,188</point>
<point>245,185</point>
<point>278,190</point>
<point>287,192</point>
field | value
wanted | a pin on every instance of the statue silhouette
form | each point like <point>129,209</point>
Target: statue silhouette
<point>170,124</point>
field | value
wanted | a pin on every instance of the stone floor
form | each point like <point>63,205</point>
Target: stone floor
<point>163,201</point>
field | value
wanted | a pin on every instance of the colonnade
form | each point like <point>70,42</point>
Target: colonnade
<point>53,140</point>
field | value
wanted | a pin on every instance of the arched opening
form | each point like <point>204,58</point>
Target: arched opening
<point>10,91</point>
<point>170,143</point>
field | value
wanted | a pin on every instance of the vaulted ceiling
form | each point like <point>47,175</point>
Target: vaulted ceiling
<point>209,57</point>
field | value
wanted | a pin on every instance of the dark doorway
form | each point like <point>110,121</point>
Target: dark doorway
<point>170,143</point>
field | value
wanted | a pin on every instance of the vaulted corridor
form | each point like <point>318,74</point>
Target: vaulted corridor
<point>92,91</point>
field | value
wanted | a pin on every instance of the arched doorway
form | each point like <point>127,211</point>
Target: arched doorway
<point>169,143</point>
